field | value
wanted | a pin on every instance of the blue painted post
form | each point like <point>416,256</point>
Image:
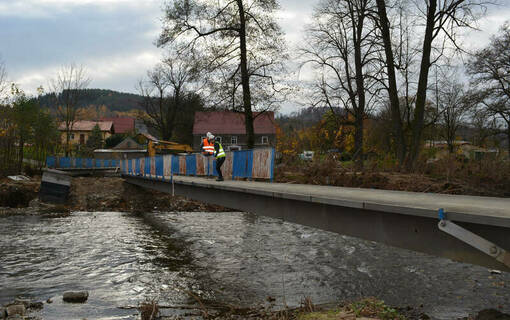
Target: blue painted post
<point>272,165</point>
<point>137,165</point>
<point>175,164</point>
<point>50,162</point>
<point>191,165</point>
<point>159,167</point>
<point>147,169</point>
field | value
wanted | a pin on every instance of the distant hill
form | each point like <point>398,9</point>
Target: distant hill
<point>114,100</point>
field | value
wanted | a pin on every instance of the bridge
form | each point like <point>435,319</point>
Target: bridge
<point>467,229</point>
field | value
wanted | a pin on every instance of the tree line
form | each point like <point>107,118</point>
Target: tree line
<point>394,60</point>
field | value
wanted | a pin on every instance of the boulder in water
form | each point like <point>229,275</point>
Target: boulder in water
<point>76,296</point>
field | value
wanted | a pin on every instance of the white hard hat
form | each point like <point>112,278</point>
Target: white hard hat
<point>210,136</point>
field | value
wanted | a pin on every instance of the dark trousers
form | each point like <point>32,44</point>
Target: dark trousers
<point>219,163</point>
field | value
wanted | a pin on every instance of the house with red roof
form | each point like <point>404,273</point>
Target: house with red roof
<point>122,124</point>
<point>230,128</point>
<point>81,130</point>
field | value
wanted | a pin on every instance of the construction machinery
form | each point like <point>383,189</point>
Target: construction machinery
<point>155,147</point>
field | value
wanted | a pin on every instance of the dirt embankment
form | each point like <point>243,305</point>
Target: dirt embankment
<point>492,183</point>
<point>18,194</point>
<point>113,194</point>
<point>94,194</point>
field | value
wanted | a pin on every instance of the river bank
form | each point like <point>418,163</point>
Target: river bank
<point>237,257</point>
<point>93,194</point>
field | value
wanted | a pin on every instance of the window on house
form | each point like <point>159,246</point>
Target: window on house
<point>265,140</point>
<point>233,140</point>
<point>72,136</point>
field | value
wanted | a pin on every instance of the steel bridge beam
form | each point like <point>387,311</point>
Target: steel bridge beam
<point>389,225</point>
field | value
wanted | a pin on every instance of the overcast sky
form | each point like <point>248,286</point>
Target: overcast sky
<point>114,39</point>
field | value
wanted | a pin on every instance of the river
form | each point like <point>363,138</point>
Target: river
<point>228,257</point>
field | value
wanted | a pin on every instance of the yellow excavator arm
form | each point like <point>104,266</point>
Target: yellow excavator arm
<point>160,146</point>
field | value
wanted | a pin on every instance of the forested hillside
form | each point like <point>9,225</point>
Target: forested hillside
<point>113,100</point>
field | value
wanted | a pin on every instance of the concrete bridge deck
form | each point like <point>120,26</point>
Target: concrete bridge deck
<point>402,219</point>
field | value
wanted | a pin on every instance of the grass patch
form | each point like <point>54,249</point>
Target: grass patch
<point>370,308</point>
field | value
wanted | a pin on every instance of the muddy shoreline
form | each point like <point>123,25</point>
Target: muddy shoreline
<point>99,194</point>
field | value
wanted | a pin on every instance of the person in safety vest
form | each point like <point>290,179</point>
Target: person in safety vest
<point>207,145</point>
<point>219,153</point>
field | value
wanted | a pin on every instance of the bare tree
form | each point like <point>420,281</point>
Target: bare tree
<point>442,19</point>
<point>241,42</point>
<point>66,88</point>
<point>342,42</point>
<point>167,94</point>
<point>490,72</point>
<point>453,107</point>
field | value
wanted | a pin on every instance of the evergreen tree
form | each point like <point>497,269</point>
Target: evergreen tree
<point>95,140</point>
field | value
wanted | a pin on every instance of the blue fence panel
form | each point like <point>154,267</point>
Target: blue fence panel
<point>175,164</point>
<point>159,166</point>
<point>50,162</point>
<point>137,166</point>
<point>115,163</point>
<point>242,164</point>
<point>65,162</point>
<point>78,163</point>
<point>89,163</point>
<point>214,171</point>
<point>191,165</point>
<point>97,163</point>
<point>147,169</point>
<point>130,166</point>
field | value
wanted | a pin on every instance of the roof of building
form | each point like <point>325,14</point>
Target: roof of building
<point>85,125</point>
<point>121,124</point>
<point>228,122</point>
<point>127,144</point>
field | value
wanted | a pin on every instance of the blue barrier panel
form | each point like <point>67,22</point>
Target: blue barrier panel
<point>65,162</point>
<point>130,166</point>
<point>159,166</point>
<point>108,163</point>
<point>242,164</point>
<point>97,163</point>
<point>78,163</point>
<point>137,165</point>
<point>147,169</point>
<point>272,165</point>
<point>115,163</point>
<point>213,164</point>
<point>89,163</point>
<point>175,164</point>
<point>191,165</point>
<point>50,162</point>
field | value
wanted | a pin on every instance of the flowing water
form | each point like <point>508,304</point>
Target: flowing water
<point>230,257</point>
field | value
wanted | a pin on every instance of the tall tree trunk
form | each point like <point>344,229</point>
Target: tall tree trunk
<point>421,94</point>
<point>245,78</point>
<point>508,136</point>
<point>360,88</point>
<point>358,142</point>
<point>401,146</point>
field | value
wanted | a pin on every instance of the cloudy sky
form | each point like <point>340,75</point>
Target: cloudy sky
<point>114,39</point>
